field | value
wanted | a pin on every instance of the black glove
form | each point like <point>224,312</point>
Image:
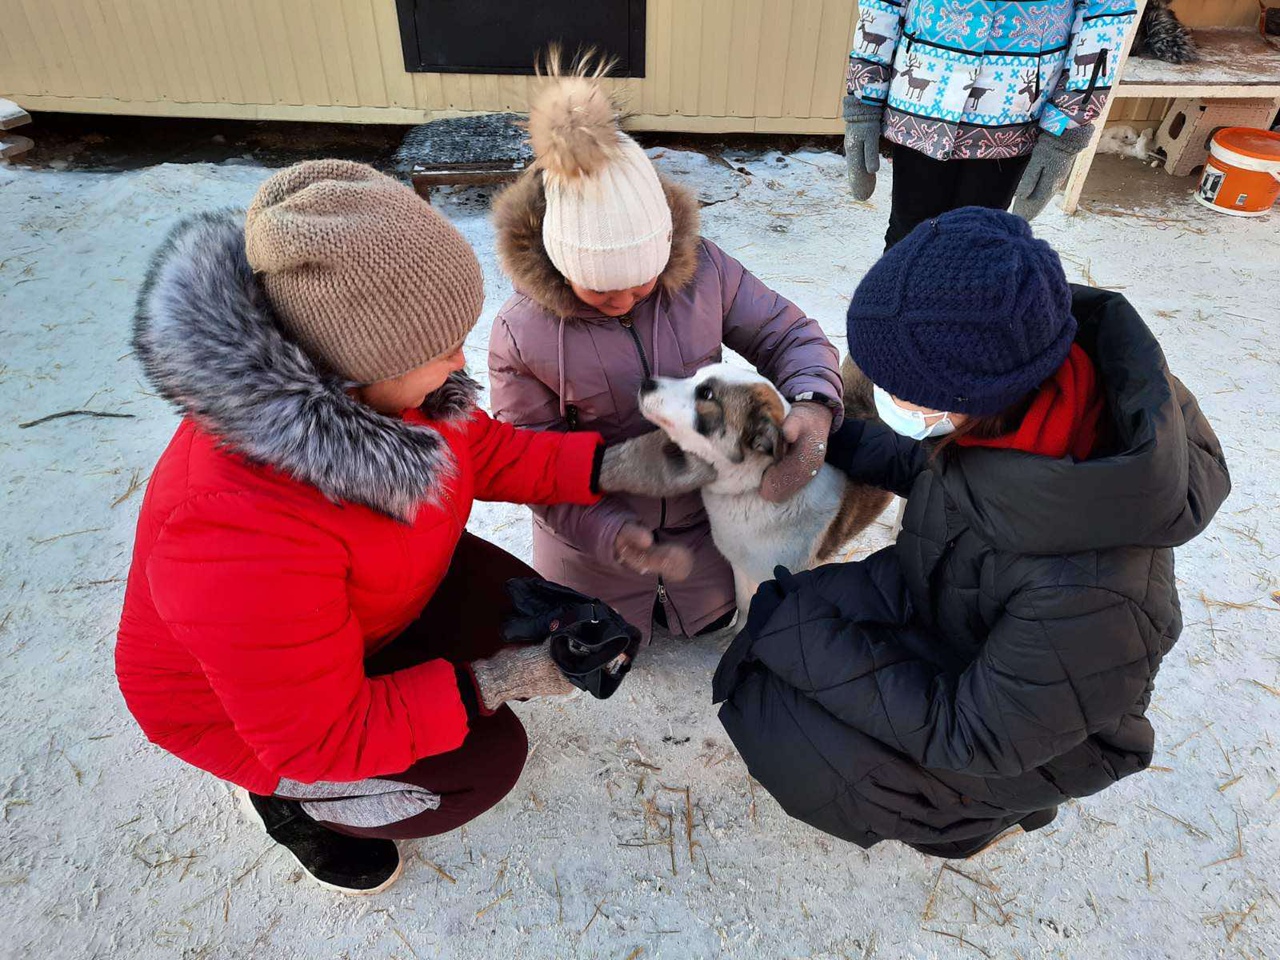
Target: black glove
<point>587,639</point>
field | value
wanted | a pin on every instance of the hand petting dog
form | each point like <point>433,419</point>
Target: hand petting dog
<point>806,431</point>
<point>652,466</point>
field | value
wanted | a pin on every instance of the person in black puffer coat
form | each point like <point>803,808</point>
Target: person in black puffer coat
<point>1000,657</point>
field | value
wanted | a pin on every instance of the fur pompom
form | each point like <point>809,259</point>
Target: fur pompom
<point>573,122</point>
<point>1162,36</point>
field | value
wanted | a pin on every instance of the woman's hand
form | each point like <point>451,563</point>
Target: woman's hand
<point>519,672</point>
<point>806,430</point>
<point>637,551</point>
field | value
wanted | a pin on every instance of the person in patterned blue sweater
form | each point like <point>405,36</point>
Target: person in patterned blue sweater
<point>983,101</point>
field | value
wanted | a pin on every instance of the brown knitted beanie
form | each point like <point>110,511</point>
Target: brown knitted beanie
<point>366,277</point>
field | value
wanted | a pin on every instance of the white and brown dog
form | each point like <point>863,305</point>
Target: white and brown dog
<point>731,418</point>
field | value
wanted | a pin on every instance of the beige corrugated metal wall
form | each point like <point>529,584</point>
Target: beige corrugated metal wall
<point>711,65</point>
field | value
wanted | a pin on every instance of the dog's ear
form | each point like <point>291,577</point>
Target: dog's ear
<point>766,437</point>
<point>764,431</point>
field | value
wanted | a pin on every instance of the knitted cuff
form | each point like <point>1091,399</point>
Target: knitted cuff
<point>1074,140</point>
<point>597,463</point>
<point>469,691</point>
<point>856,111</point>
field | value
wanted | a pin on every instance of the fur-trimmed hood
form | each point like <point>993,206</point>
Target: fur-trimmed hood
<point>517,216</point>
<point>208,341</point>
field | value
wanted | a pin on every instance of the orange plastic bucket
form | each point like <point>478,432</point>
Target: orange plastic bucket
<point>1242,175</point>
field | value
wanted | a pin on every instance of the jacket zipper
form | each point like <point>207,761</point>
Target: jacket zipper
<point>629,325</point>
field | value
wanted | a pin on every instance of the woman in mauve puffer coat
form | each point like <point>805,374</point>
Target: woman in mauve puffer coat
<point>1000,657</point>
<point>613,284</point>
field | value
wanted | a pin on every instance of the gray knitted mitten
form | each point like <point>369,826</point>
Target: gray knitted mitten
<point>652,466</point>
<point>1051,160</point>
<point>518,672</point>
<point>861,145</point>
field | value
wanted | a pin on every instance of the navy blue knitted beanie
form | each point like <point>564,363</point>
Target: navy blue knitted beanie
<point>969,313</point>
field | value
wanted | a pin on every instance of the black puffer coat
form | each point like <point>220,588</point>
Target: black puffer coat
<point>1000,657</point>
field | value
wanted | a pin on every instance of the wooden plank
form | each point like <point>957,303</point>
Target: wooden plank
<point>12,115</point>
<point>1080,169</point>
<point>1224,91</point>
<point>13,145</point>
<point>423,181</point>
<point>1228,57</point>
<point>1217,13</point>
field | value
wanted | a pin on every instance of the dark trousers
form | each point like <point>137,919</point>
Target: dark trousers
<point>461,623</point>
<point>923,187</point>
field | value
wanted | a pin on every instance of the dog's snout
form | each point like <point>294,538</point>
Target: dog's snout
<point>649,385</point>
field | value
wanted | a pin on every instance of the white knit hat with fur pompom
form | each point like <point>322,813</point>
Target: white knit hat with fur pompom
<point>607,224</point>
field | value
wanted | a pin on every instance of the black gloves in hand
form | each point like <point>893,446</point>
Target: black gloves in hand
<point>590,643</point>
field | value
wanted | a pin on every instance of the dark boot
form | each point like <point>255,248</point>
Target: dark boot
<point>1041,818</point>
<point>355,865</point>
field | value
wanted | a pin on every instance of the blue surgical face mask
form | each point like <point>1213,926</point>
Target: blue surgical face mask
<point>911,423</point>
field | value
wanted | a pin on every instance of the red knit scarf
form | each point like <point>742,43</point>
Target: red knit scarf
<point>1064,417</point>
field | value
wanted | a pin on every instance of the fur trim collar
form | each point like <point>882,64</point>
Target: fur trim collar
<point>518,213</point>
<point>208,341</point>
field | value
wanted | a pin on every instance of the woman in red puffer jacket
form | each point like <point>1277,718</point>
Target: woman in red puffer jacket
<point>306,616</point>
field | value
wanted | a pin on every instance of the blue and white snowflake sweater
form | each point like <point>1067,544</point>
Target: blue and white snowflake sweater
<point>966,79</point>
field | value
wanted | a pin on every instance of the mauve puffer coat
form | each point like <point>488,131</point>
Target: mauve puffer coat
<point>556,364</point>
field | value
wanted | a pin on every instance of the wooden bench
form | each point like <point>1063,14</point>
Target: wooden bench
<point>464,151</point>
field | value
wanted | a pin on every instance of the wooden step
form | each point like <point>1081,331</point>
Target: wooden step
<point>12,115</point>
<point>13,145</point>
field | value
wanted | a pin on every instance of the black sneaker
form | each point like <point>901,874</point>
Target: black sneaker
<point>355,865</point>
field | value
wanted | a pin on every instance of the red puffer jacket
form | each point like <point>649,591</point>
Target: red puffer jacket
<point>288,532</point>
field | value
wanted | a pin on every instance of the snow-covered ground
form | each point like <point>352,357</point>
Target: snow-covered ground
<point>634,831</point>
